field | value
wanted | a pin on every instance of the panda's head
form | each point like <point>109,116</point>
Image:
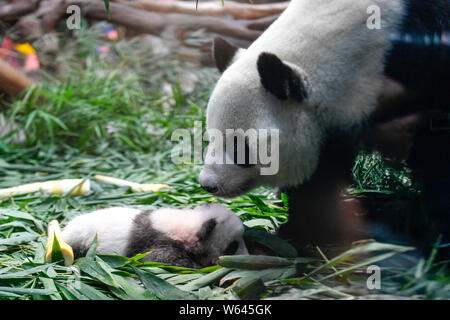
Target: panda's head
<point>261,105</point>
<point>221,234</point>
<point>205,233</point>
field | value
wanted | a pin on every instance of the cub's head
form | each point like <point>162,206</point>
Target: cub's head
<point>203,234</point>
<point>261,123</point>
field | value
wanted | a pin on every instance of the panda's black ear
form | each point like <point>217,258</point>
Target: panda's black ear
<point>206,229</point>
<point>279,79</point>
<point>223,53</point>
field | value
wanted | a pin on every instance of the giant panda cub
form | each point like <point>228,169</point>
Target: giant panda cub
<point>317,75</point>
<point>191,238</point>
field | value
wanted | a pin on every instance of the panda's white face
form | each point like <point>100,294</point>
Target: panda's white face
<point>268,95</point>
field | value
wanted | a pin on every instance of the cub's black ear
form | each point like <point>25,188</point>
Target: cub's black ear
<point>279,79</point>
<point>206,229</point>
<point>223,53</point>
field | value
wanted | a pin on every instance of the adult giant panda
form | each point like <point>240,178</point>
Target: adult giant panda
<point>330,84</point>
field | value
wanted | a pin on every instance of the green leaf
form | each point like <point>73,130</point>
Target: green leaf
<point>362,248</point>
<point>19,237</point>
<point>265,275</point>
<point>285,199</point>
<point>92,252</point>
<point>183,278</point>
<point>27,291</point>
<point>139,256</point>
<point>254,262</point>
<point>24,273</point>
<point>366,262</point>
<point>91,292</point>
<point>57,255</point>
<point>131,290</point>
<point>39,254</point>
<point>22,215</point>
<point>17,224</point>
<point>107,5</point>
<point>69,293</point>
<point>49,284</point>
<point>206,280</point>
<point>260,203</point>
<point>9,294</point>
<point>95,270</point>
<point>161,288</point>
<point>277,245</point>
<point>263,223</point>
<point>251,289</point>
<point>115,261</point>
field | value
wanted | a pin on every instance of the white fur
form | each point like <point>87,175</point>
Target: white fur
<point>326,43</point>
<point>183,225</point>
<point>112,227</point>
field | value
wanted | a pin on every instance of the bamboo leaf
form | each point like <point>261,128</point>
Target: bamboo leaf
<point>24,273</point>
<point>95,270</point>
<point>91,292</point>
<point>107,5</point>
<point>130,290</point>
<point>254,262</point>
<point>209,279</point>
<point>92,252</point>
<point>49,284</point>
<point>18,238</point>
<point>162,289</point>
<point>21,215</point>
<point>27,291</point>
<point>277,245</point>
<point>250,290</point>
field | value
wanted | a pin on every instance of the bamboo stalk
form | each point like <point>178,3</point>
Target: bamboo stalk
<point>211,8</point>
<point>12,81</point>
<point>135,187</point>
<point>76,186</point>
<point>56,247</point>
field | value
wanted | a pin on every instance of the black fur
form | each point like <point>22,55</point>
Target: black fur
<point>79,250</point>
<point>419,58</point>
<point>223,53</point>
<point>279,79</point>
<point>144,238</point>
<point>206,229</point>
<point>314,215</point>
<point>422,66</point>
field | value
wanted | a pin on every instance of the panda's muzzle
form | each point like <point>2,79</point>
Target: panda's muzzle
<point>210,188</point>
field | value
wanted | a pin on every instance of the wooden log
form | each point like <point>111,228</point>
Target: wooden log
<point>52,13</point>
<point>18,9</point>
<point>211,8</point>
<point>42,20</point>
<point>259,24</point>
<point>152,22</point>
<point>12,81</point>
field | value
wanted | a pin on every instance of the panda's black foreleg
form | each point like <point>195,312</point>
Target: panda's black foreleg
<point>317,213</point>
<point>430,162</point>
<point>413,129</point>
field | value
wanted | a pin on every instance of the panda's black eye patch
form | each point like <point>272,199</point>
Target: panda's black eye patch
<point>231,249</point>
<point>246,163</point>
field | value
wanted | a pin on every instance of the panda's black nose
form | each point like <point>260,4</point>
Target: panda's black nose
<point>210,188</point>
